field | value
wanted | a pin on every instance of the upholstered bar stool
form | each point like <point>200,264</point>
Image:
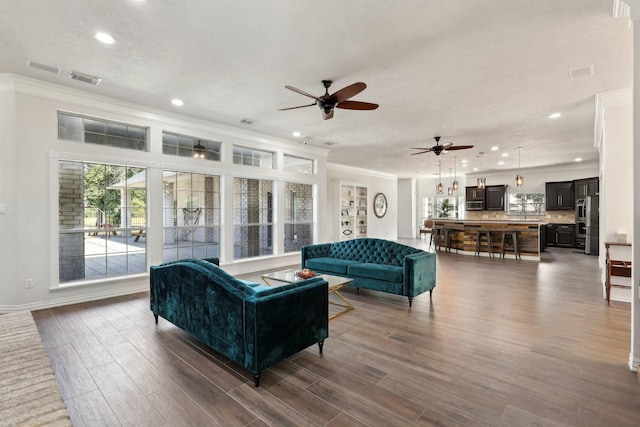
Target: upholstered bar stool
<point>486,233</point>
<point>513,235</point>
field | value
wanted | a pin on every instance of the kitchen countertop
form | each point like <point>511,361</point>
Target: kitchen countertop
<point>490,221</point>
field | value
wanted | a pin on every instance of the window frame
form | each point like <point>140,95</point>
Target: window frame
<point>105,135</point>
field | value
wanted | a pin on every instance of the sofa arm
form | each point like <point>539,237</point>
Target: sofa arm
<point>284,321</point>
<point>314,251</point>
<point>419,273</point>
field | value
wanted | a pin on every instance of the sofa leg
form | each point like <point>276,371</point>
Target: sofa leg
<point>430,293</point>
<point>256,379</point>
<point>410,301</point>
<point>320,344</point>
<point>156,316</point>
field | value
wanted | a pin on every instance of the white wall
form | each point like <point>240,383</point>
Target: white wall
<point>29,148</point>
<point>377,182</point>
<point>407,208</point>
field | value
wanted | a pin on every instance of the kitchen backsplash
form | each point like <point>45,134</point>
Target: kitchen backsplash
<point>553,217</point>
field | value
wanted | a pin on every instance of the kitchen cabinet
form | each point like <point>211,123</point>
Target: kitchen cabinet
<point>559,196</point>
<point>475,198</point>
<point>561,235</point>
<point>586,187</point>
<point>495,196</point>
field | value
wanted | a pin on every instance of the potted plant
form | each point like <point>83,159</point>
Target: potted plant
<point>444,208</point>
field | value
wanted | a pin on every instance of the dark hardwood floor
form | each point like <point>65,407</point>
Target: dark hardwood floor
<point>502,342</point>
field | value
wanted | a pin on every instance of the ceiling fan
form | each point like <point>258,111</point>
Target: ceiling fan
<point>439,148</point>
<point>338,99</point>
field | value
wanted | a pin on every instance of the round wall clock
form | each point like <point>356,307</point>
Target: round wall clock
<point>380,205</point>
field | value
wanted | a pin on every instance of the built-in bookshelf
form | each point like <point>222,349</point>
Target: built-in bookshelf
<point>353,211</point>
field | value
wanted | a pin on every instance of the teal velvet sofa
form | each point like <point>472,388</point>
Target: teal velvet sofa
<point>254,325</point>
<point>376,264</point>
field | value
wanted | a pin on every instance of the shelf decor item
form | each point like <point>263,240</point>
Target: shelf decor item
<point>380,205</point>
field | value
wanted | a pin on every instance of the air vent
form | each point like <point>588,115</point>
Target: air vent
<point>86,78</point>
<point>581,72</point>
<point>247,121</point>
<point>43,67</point>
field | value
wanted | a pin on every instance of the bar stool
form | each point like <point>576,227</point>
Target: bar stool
<point>451,237</point>
<point>438,232</point>
<point>487,234</point>
<point>513,234</point>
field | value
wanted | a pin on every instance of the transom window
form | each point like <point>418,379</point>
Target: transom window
<point>90,130</point>
<point>252,157</point>
<point>297,164</point>
<point>188,146</point>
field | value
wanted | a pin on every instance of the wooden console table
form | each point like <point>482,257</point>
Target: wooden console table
<point>616,267</point>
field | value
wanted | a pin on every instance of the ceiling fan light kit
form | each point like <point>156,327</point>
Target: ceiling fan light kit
<point>328,102</point>
<point>442,148</point>
<point>199,151</point>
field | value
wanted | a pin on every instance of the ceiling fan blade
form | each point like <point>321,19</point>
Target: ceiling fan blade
<point>357,105</point>
<point>459,147</point>
<point>293,108</point>
<point>301,92</point>
<point>422,152</point>
<point>349,91</point>
<point>446,145</point>
<point>328,115</point>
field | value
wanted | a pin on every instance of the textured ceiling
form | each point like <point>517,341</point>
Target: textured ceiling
<point>483,73</point>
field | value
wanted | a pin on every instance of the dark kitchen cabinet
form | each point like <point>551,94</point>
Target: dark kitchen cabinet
<point>495,196</point>
<point>562,235</point>
<point>586,187</point>
<point>475,193</point>
<point>475,198</point>
<point>559,196</point>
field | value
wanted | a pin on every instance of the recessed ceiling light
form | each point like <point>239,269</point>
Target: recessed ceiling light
<point>177,102</point>
<point>296,134</point>
<point>464,160</point>
<point>475,169</point>
<point>555,115</point>
<point>494,148</point>
<point>501,163</point>
<point>577,159</point>
<point>105,38</point>
<point>505,154</point>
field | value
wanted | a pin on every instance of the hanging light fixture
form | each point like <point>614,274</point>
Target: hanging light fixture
<point>199,151</point>
<point>482,182</point>
<point>439,187</point>
<point>450,188</point>
<point>455,175</point>
<point>519,178</point>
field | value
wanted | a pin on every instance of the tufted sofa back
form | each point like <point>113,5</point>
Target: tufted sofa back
<point>375,251</point>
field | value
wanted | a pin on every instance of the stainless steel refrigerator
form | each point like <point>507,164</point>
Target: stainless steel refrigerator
<point>592,227</point>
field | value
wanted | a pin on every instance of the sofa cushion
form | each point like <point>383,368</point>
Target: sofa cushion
<point>329,264</point>
<point>376,271</point>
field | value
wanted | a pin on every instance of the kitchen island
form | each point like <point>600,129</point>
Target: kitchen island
<point>463,234</point>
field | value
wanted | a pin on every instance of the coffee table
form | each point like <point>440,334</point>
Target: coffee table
<point>278,278</point>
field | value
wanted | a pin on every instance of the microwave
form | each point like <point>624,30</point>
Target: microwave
<point>475,205</point>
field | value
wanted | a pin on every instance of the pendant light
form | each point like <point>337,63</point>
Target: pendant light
<point>450,188</point>
<point>455,174</point>
<point>439,187</point>
<point>482,182</point>
<point>519,178</point>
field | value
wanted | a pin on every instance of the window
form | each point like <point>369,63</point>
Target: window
<point>526,204</point>
<point>102,217</point>
<point>187,146</point>
<point>251,157</point>
<point>252,217</point>
<point>102,132</point>
<point>298,221</point>
<point>298,164</point>
<point>190,215</point>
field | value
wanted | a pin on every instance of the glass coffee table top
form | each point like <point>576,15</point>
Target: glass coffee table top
<point>282,277</point>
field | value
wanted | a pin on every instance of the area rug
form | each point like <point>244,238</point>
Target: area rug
<point>29,394</point>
